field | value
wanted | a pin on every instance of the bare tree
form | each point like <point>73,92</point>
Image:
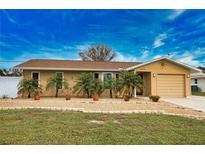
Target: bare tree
<point>98,52</point>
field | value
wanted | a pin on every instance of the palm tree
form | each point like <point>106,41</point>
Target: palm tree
<point>84,84</point>
<point>56,82</point>
<point>98,53</point>
<point>114,85</point>
<point>29,86</point>
<point>130,80</point>
<point>96,87</point>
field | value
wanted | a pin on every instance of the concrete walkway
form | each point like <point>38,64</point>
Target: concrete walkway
<point>194,102</point>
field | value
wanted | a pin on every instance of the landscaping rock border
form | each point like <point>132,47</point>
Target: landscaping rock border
<point>106,112</point>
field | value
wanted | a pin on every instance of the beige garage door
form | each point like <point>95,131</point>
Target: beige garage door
<point>170,85</point>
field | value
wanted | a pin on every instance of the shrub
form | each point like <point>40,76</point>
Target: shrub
<point>4,96</point>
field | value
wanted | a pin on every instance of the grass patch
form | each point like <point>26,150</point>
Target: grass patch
<point>35,126</point>
<point>198,93</point>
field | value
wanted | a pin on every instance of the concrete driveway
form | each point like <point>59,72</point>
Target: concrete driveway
<point>194,102</point>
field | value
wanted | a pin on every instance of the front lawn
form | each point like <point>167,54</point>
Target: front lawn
<point>198,93</point>
<point>35,126</point>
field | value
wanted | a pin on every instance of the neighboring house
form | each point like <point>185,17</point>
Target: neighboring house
<point>198,81</point>
<point>163,76</point>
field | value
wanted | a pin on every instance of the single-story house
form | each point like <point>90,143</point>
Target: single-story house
<point>198,81</point>
<point>162,76</point>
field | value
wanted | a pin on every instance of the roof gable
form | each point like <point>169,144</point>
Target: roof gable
<point>193,69</point>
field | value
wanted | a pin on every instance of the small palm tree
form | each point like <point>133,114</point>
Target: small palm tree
<point>29,86</point>
<point>114,85</point>
<point>96,87</point>
<point>130,80</point>
<point>84,84</point>
<point>56,82</point>
<point>98,52</point>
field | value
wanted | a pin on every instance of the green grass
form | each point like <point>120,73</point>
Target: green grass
<point>198,93</point>
<point>35,126</point>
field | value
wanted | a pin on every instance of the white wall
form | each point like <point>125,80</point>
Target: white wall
<point>200,84</point>
<point>8,86</point>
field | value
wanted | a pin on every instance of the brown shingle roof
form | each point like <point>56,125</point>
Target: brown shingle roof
<point>74,64</point>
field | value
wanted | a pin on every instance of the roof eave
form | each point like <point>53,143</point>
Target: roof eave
<point>66,69</point>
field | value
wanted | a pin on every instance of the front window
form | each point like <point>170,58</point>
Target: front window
<point>117,76</point>
<point>96,75</point>
<point>60,75</point>
<point>107,76</point>
<point>36,77</point>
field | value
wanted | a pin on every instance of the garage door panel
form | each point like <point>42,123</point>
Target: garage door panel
<point>170,85</point>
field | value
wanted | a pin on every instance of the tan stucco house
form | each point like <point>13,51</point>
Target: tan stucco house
<point>163,76</point>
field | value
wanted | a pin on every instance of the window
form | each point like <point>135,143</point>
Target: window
<point>60,75</point>
<point>96,75</point>
<point>195,81</point>
<point>117,76</point>
<point>107,76</point>
<point>36,77</point>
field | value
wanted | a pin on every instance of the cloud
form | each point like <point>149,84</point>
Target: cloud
<point>9,17</point>
<point>159,40</point>
<point>125,57</point>
<point>175,14</point>
<point>83,47</point>
<point>145,54</point>
<point>157,56</point>
<point>190,60</point>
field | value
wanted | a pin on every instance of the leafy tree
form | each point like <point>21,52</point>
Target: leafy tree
<point>56,82</point>
<point>98,53</point>
<point>1,72</point>
<point>84,84</point>
<point>10,72</point>
<point>29,86</point>
<point>129,81</point>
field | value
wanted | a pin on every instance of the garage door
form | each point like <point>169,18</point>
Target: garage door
<point>170,85</point>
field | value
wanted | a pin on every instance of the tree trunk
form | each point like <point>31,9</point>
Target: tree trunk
<point>56,92</point>
<point>29,94</point>
<point>110,93</point>
<point>87,92</point>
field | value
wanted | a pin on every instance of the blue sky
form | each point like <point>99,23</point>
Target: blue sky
<point>136,35</point>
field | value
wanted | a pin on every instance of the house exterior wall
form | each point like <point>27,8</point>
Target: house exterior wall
<point>165,67</point>
<point>150,73</point>
<point>70,76</point>
<point>200,83</point>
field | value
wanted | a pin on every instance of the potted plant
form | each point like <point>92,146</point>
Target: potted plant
<point>126,98</point>
<point>95,97</point>
<point>68,94</point>
<point>154,98</point>
<point>37,92</point>
<point>96,89</point>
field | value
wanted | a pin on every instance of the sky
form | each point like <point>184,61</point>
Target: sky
<point>135,35</point>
